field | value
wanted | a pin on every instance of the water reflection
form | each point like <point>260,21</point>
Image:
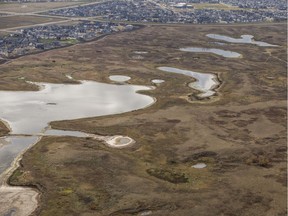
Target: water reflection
<point>205,82</point>
<point>11,148</point>
<point>119,78</point>
<point>157,81</point>
<point>224,53</point>
<point>29,112</point>
<point>245,39</point>
<point>52,132</point>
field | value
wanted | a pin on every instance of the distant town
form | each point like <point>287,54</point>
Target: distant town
<point>181,12</point>
<point>82,25</point>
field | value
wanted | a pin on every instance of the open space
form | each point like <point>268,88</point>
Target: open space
<point>24,21</point>
<point>35,6</point>
<point>239,133</point>
<point>215,6</point>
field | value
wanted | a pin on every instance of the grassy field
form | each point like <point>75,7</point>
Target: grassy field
<point>18,21</point>
<point>240,135</point>
<point>35,7</point>
<point>215,6</point>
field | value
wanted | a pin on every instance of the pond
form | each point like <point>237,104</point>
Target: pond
<point>119,78</point>
<point>224,53</point>
<point>29,112</point>
<point>245,39</point>
<point>157,81</point>
<point>205,82</point>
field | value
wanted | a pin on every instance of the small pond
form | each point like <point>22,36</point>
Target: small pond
<point>245,39</point>
<point>224,53</point>
<point>119,78</point>
<point>157,81</point>
<point>205,82</point>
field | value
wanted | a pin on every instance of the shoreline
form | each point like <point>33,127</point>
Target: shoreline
<point>34,194</point>
<point>6,124</point>
<point>22,195</point>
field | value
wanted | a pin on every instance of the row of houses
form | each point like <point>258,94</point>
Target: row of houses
<point>53,36</point>
<point>149,11</point>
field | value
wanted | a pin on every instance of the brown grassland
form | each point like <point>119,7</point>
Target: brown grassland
<point>18,21</point>
<point>240,134</point>
<point>35,6</point>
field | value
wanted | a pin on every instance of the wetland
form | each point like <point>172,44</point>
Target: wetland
<point>240,137</point>
<point>224,53</point>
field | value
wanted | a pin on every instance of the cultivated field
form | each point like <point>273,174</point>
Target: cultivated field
<point>240,134</point>
<point>35,7</point>
<point>20,21</point>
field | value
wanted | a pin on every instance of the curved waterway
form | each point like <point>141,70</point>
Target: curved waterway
<point>205,82</point>
<point>224,53</point>
<point>28,114</point>
<point>244,39</point>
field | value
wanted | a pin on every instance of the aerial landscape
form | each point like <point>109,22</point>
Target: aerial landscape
<point>143,107</point>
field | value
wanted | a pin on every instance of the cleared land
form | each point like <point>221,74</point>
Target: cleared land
<point>241,136</point>
<point>18,21</point>
<point>215,6</point>
<point>35,7</point>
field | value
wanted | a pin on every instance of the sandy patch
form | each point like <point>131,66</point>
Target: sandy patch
<point>117,141</point>
<point>17,201</point>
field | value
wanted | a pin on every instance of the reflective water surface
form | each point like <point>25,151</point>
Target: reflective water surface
<point>157,81</point>
<point>245,39</point>
<point>10,150</point>
<point>205,82</point>
<point>119,78</point>
<point>224,53</point>
<point>52,132</point>
<point>29,112</point>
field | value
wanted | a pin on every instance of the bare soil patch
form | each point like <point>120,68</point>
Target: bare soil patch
<point>18,21</point>
<point>35,6</point>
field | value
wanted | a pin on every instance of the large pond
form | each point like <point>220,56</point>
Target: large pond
<point>224,53</point>
<point>245,39</point>
<point>205,82</point>
<point>29,112</point>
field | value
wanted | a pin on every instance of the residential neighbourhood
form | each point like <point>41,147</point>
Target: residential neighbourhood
<point>53,36</point>
<point>259,4</point>
<point>163,12</point>
<point>109,13</point>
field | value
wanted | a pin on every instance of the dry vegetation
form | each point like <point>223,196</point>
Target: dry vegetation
<point>215,6</point>
<point>35,7</point>
<point>241,136</point>
<point>3,129</point>
<point>18,21</point>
